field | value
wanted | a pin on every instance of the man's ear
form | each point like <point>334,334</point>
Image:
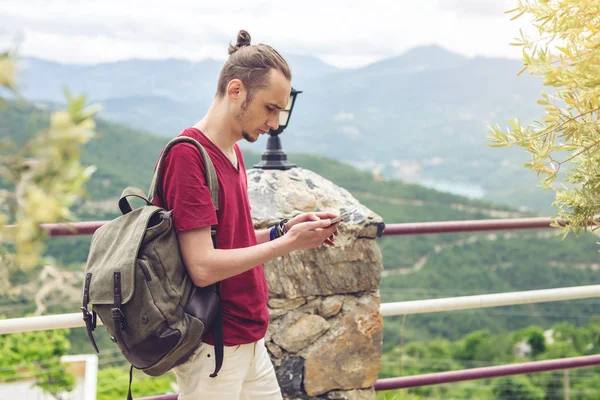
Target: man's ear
<point>236,90</point>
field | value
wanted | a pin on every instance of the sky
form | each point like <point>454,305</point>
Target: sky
<point>343,33</point>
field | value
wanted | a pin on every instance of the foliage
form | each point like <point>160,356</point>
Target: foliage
<point>113,382</point>
<point>7,71</point>
<point>40,182</point>
<point>537,341</point>
<point>494,264</point>
<point>567,56</point>
<point>36,355</point>
<point>46,177</point>
<point>480,348</point>
<point>516,387</point>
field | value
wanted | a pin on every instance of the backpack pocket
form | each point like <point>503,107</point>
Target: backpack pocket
<point>150,335</point>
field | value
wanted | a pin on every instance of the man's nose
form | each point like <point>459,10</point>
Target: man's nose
<point>273,123</point>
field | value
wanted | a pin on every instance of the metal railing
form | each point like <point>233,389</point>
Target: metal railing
<point>391,309</point>
<point>482,225</point>
<point>496,371</point>
<point>489,300</point>
<point>75,320</point>
<point>404,229</point>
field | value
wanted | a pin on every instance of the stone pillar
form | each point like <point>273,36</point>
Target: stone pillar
<point>325,335</point>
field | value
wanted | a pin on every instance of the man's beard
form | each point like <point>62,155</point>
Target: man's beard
<point>241,116</point>
<point>249,138</point>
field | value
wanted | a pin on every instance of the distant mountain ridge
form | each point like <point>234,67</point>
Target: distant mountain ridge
<point>180,80</point>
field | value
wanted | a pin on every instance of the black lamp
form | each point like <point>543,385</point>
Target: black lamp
<point>274,157</point>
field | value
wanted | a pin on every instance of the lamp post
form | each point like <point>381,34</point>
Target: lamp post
<point>274,157</point>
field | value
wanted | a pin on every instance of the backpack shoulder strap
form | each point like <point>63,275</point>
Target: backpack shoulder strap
<point>210,175</point>
<point>213,185</point>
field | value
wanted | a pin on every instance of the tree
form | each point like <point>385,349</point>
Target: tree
<point>516,388</point>
<point>112,384</point>
<point>567,56</point>
<point>7,71</point>
<point>45,178</point>
<point>535,338</point>
<point>45,174</point>
<point>36,356</point>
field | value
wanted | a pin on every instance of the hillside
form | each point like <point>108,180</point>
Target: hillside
<point>431,107</point>
<point>123,155</point>
<point>416,267</point>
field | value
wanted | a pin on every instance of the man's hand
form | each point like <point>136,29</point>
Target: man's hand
<point>310,230</point>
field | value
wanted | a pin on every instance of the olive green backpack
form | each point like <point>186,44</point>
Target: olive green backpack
<point>137,283</point>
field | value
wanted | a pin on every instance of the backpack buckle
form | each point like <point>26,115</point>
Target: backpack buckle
<point>90,325</point>
<point>89,318</point>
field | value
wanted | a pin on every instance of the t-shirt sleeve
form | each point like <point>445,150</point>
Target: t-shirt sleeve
<point>184,189</point>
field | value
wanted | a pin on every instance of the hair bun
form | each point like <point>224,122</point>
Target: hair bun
<point>243,40</point>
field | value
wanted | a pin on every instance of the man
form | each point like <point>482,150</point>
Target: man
<point>253,87</point>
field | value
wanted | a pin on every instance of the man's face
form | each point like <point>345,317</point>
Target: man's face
<point>261,114</point>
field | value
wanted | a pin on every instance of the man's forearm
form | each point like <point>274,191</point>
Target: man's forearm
<point>207,265</point>
<point>218,264</point>
<point>262,235</point>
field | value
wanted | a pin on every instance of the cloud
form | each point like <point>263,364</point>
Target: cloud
<point>477,7</point>
<point>339,33</point>
<point>343,116</point>
<point>349,130</point>
<point>123,28</point>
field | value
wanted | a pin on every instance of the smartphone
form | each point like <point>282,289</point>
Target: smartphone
<point>342,216</point>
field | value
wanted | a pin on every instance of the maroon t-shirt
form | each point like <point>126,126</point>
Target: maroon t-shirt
<point>183,189</point>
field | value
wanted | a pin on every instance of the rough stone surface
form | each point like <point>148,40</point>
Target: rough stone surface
<point>289,375</point>
<point>282,323</point>
<point>337,270</point>
<point>349,355</point>
<point>330,306</point>
<point>325,331</point>
<point>286,304</point>
<point>301,333</point>
<point>310,307</point>
<point>274,350</point>
<point>353,265</point>
<point>277,194</point>
<point>359,394</point>
<point>275,313</point>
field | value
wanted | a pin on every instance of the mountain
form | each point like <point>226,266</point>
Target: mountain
<point>421,116</point>
<point>124,155</point>
<point>426,125</point>
<point>425,58</point>
<point>159,114</point>
<point>179,80</point>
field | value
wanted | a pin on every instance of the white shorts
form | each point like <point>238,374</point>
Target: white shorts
<point>247,374</point>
